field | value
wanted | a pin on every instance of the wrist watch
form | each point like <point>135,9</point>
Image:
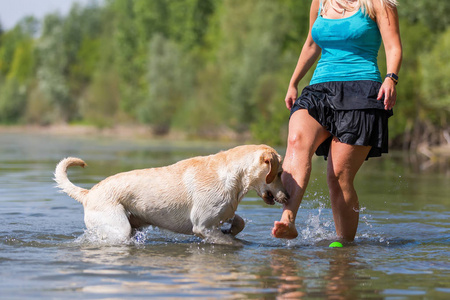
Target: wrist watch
<point>392,76</point>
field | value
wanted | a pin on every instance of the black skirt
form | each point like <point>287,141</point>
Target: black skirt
<point>350,111</point>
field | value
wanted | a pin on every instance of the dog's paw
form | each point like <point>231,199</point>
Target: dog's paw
<point>216,236</point>
<point>226,240</point>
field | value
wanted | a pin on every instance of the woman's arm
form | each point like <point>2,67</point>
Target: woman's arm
<point>387,20</point>
<point>309,54</point>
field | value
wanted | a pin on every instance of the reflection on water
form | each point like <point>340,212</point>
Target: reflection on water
<point>401,250</point>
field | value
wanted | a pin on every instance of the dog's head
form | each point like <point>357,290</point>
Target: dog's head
<point>268,184</point>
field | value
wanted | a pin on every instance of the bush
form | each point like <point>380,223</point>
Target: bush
<point>13,97</point>
<point>100,103</point>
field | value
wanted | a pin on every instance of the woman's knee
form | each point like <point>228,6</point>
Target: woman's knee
<point>332,180</point>
<point>339,181</point>
<point>302,144</point>
<point>305,133</point>
<point>297,141</point>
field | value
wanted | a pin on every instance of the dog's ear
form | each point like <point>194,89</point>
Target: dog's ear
<point>273,161</point>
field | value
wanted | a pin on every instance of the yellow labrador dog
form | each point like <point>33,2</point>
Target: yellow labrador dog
<point>193,196</point>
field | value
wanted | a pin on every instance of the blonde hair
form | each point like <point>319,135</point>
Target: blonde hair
<point>366,5</point>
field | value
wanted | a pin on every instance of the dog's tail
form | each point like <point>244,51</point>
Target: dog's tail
<point>64,183</point>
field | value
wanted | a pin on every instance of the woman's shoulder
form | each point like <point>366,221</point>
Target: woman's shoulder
<point>315,4</point>
<point>383,7</point>
<point>315,7</point>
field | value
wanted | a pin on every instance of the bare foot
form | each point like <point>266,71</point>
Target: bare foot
<point>284,230</point>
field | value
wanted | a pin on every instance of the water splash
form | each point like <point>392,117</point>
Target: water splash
<point>92,237</point>
<point>150,235</point>
<point>318,227</point>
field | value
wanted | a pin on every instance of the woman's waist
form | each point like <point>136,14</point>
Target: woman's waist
<point>346,71</point>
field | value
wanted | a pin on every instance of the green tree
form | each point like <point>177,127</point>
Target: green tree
<point>52,67</point>
<point>434,120</point>
<point>16,69</point>
<point>434,14</point>
<point>100,103</point>
<point>19,37</point>
<point>12,101</point>
<point>128,60</point>
<point>136,23</point>
<point>252,34</point>
<point>435,67</point>
<point>169,84</point>
<point>81,35</point>
<point>22,65</point>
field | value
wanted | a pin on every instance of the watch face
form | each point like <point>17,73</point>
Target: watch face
<point>392,75</point>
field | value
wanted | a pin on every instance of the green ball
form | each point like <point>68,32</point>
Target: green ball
<point>335,245</point>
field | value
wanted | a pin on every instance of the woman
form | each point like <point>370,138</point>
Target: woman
<point>343,113</point>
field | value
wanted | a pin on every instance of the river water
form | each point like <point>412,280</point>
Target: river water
<point>401,250</point>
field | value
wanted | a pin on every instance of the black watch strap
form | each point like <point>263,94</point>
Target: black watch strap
<point>392,76</point>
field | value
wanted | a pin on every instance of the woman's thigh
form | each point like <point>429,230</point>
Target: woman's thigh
<point>344,160</point>
<point>305,132</point>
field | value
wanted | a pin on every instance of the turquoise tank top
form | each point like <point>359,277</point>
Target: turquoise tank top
<point>349,48</point>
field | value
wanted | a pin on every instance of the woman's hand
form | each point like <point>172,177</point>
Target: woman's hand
<point>291,96</point>
<point>389,92</point>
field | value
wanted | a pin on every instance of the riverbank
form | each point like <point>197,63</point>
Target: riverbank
<point>145,132</point>
<point>80,130</point>
<point>125,132</point>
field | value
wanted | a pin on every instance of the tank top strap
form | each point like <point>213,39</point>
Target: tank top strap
<point>320,8</point>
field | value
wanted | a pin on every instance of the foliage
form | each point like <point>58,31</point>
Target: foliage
<point>17,64</point>
<point>170,81</point>
<point>201,66</point>
<point>434,14</point>
<point>12,100</point>
<point>100,103</point>
<point>436,76</point>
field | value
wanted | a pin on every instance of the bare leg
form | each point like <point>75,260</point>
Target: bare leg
<point>344,162</point>
<point>305,135</point>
